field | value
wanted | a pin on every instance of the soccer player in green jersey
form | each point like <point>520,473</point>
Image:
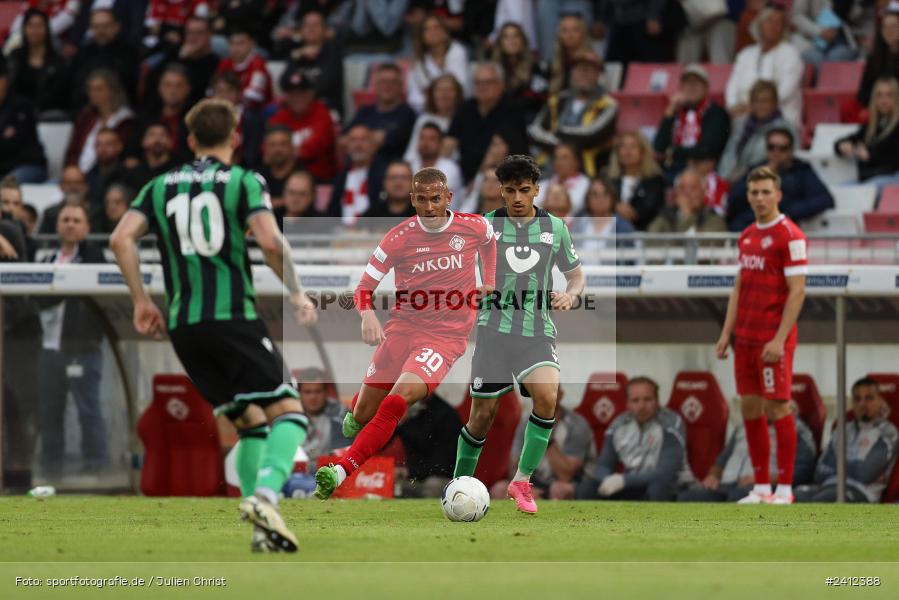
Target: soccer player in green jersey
<point>200,213</point>
<point>516,334</point>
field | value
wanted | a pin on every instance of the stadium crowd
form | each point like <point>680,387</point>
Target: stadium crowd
<point>457,85</point>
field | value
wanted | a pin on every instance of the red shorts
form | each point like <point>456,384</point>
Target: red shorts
<point>430,357</point>
<point>773,381</point>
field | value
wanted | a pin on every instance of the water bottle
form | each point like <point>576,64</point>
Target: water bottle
<point>42,491</point>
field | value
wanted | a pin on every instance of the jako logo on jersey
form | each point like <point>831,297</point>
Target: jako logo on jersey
<point>752,262</point>
<point>443,263</point>
<point>457,243</point>
<point>546,237</point>
<point>524,263</point>
<point>422,249</point>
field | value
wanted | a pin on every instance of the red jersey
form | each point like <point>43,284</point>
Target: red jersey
<point>434,272</point>
<point>313,137</point>
<point>255,80</point>
<point>768,255</point>
<point>175,13</point>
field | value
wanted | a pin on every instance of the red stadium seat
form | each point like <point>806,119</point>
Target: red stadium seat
<point>636,110</point>
<point>8,13</point>
<point>182,456</point>
<point>840,76</point>
<point>696,396</point>
<point>811,407</point>
<point>654,78</point>
<point>718,77</point>
<point>889,200</point>
<point>823,106</point>
<point>496,456</point>
<point>879,222</point>
<point>603,400</point>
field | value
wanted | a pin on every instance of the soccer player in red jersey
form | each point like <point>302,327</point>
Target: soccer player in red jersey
<point>761,314</point>
<point>434,258</point>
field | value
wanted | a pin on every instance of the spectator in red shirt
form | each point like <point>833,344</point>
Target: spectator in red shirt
<point>249,66</point>
<point>166,19</point>
<point>310,121</point>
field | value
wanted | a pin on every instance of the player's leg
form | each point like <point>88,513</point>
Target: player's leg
<point>383,371</point>
<point>474,433</point>
<point>252,429</point>
<point>365,405</point>
<point>779,412</point>
<point>748,375</point>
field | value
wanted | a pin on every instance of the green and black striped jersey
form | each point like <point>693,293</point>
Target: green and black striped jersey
<point>199,214</point>
<point>525,256</point>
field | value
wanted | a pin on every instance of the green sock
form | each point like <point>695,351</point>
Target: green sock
<point>468,450</point>
<point>249,456</point>
<point>536,439</point>
<point>288,432</point>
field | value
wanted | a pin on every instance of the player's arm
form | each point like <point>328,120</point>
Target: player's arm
<point>279,257</point>
<point>487,256</point>
<point>730,319</point>
<point>379,264</point>
<point>570,265</point>
<point>123,242</point>
<point>774,350</point>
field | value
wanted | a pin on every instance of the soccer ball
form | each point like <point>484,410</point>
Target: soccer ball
<point>465,499</point>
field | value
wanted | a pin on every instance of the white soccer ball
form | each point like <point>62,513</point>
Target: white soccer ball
<point>465,499</point>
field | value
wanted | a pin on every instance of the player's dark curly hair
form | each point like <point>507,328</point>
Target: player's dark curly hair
<point>517,168</point>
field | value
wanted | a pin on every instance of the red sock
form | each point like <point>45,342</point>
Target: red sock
<point>785,429</point>
<point>375,434</point>
<point>759,442</point>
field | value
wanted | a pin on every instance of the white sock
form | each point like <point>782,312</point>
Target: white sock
<point>268,494</point>
<point>784,490</point>
<point>341,474</point>
<point>519,476</point>
<point>762,489</point>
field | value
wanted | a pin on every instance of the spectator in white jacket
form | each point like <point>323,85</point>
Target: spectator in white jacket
<point>772,58</point>
<point>436,54</point>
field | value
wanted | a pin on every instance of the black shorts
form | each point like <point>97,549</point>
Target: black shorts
<point>233,364</point>
<point>500,359</point>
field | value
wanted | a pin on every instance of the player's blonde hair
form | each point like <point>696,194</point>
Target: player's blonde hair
<point>212,122</point>
<point>430,175</point>
<point>763,173</point>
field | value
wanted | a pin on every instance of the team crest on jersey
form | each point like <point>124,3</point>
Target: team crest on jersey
<point>546,237</point>
<point>767,241</point>
<point>371,370</point>
<point>457,243</point>
<point>522,258</point>
<point>478,383</point>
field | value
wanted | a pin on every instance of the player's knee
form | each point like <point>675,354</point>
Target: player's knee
<point>545,405</point>
<point>282,406</point>
<point>252,416</point>
<point>751,407</point>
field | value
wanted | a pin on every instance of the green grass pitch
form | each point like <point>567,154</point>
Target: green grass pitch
<point>406,549</point>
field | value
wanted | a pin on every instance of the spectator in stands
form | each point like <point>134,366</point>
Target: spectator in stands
<point>489,112</point>
<point>279,160</point>
<point>637,179</point>
<point>583,115</point>
<point>693,123</point>
<point>197,57</point>
<point>648,441</point>
<point>804,194</point>
<point>115,204</point>
<point>558,202</point>
<point>875,145</point>
<point>572,41</point>
<point>716,187</point>
<point>390,118</point>
<point>29,218</point>
<point>884,58</point>
<point>707,34</point>
<point>436,54</point>
<point>395,202</point>
<point>244,61</point>
<point>731,477</point>
<point>871,442</point>
<point>373,25</point>
<point>570,448</point>
<point>108,109</point>
<point>430,142</point>
<point>298,207</point>
<point>358,187</point>
<point>166,20</point>
<point>107,50</point>
<point>638,31</point>
<point>21,153</point>
<point>71,360</point>
<point>156,157</point>
<point>320,59</point>
<point>325,414</point>
<point>430,445</point>
<point>13,209</point>
<point>689,214</point>
<point>600,218</point>
<point>258,17</point>
<point>251,122</point>
<point>820,35</point>
<point>526,80</point>
<point>485,195</point>
<point>61,16</point>
<point>566,169</point>
<point>72,187</point>
<point>38,72</point>
<point>443,98</point>
<point>108,167</point>
<point>746,146</point>
<point>774,59</point>
<point>310,121</point>
<point>174,92</point>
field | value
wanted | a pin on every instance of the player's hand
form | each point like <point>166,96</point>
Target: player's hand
<point>304,309</point>
<point>561,300</point>
<point>711,482</point>
<point>148,319</point>
<point>611,485</point>
<point>721,347</point>
<point>773,351</point>
<point>372,332</point>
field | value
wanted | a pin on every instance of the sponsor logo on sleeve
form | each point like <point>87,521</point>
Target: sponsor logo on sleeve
<point>797,250</point>
<point>379,254</point>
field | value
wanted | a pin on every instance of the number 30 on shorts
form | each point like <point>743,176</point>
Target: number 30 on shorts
<point>768,377</point>
<point>431,359</point>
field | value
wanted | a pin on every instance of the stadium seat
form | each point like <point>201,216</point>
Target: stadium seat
<point>652,78</point>
<point>823,106</point>
<point>811,407</point>
<point>182,456</point>
<point>612,75</point>
<point>603,400</point>
<point>889,389</point>
<point>826,135</point>
<point>853,199</point>
<point>834,221</point>
<point>697,397</point>
<point>496,456</point>
<point>877,222</point>
<point>276,68</point>
<point>639,110</point>
<point>55,139</point>
<point>840,76</point>
<point>833,170</point>
<point>889,200</point>
<point>718,76</point>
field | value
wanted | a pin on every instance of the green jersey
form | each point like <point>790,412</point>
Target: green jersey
<point>525,256</point>
<point>199,213</point>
